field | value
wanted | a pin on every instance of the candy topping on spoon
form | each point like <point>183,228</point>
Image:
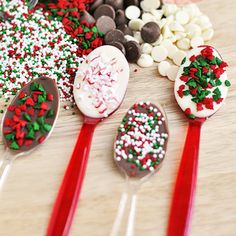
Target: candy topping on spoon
<point>201,85</point>
<point>142,140</point>
<point>31,115</point>
<point>101,82</point>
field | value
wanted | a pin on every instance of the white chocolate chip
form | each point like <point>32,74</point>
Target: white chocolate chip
<point>166,32</point>
<point>137,36</point>
<point>132,12</point>
<point>163,67</point>
<point>180,35</point>
<point>148,5</point>
<point>158,42</point>
<point>204,22</point>
<point>157,13</point>
<point>136,24</point>
<point>172,72</point>
<point>146,48</point>
<point>171,48</point>
<point>196,41</point>
<point>192,10</point>
<point>130,38</point>
<point>162,22</point>
<point>159,53</point>
<point>148,17</point>
<point>145,60</point>
<point>170,19</point>
<point>183,44</point>
<point>178,57</point>
<point>176,26</point>
<point>207,34</point>
<point>192,30</point>
<point>171,51</point>
<point>169,9</point>
<point>182,17</point>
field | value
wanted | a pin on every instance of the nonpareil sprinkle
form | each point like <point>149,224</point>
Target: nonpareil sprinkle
<point>142,140</point>
<point>31,46</point>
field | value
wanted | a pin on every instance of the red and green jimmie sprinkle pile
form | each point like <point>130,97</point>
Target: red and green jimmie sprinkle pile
<point>142,138</point>
<point>31,46</point>
<point>72,15</point>
<point>30,118</point>
<point>202,79</point>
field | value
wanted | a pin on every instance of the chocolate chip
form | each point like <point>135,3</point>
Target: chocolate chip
<point>125,29</point>
<point>114,36</point>
<point>119,46</point>
<point>150,32</point>
<point>95,5</point>
<point>87,17</point>
<point>131,2</point>
<point>120,18</point>
<point>105,24</point>
<point>104,10</point>
<point>133,51</point>
<point>117,4</point>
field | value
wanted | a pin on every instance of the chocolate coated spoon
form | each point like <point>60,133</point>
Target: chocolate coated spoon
<point>28,121</point>
<point>140,148</point>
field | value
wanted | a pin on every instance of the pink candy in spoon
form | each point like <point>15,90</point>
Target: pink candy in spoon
<point>201,88</point>
<point>99,88</point>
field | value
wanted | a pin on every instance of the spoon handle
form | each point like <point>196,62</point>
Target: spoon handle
<point>125,218</point>
<point>5,165</point>
<point>68,195</point>
<point>183,198</point>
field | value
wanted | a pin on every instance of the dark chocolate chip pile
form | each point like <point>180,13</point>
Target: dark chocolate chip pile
<point>111,20</point>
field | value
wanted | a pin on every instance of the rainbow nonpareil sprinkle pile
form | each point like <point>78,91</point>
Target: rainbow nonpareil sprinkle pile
<point>32,46</point>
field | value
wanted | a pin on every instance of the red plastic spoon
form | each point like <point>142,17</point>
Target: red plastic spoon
<point>99,89</point>
<point>209,61</point>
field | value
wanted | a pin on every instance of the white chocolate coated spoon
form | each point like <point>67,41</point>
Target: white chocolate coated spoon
<point>16,125</point>
<point>99,88</point>
<point>201,87</point>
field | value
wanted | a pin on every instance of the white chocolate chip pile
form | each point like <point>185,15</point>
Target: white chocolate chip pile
<point>182,28</point>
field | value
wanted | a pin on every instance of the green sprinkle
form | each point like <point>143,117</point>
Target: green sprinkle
<point>41,99</point>
<point>183,61</point>
<point>227,83</point>
<point>30,134</point>
<point>191,116</point>
<point>10,136</point>
<point>47,127</point>
<point>14,145</point>
<point>40,120</point>
<point>34,86</point>
<point>217,94</point>
<point>36,126</point>
<point>50,113</point>
<point>27,117</point>
<point>186,92</point>
<point>192,83</point>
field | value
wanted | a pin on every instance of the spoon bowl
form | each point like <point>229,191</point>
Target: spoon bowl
<point>13,125</point>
